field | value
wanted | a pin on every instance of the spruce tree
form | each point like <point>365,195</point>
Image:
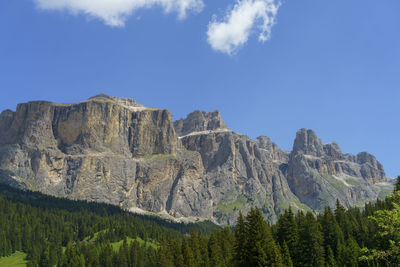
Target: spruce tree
<point>187,253</point>
<point>333,235</point>
<point>311,242</point>
<point>330,258</point>
<point>287,231</point>
<point>286,259</point>
<point>240,257</point>
<point>261,248</point>
<point>215,251</point>
<point>397,187</point>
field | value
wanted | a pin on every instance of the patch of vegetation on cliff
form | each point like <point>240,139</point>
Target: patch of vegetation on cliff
<point>353,180</point>
<point>384,190</point>
<point>230,207</point>
<point>158,157</point>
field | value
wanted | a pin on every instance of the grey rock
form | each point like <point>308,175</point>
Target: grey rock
<point>198,121</point>
<point>319,174</point>
<point>114,150</point>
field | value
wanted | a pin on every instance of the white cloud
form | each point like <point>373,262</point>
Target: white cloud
<point>115,12</point>
<point>234,30</point>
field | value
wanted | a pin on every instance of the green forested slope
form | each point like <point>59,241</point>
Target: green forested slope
<point>67,233</point>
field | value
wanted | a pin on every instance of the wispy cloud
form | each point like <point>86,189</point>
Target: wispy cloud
<point>115,12</point>
<point>233,31</point>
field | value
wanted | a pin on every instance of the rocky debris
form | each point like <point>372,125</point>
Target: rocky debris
<point>199,121</point>
<point>113,150</point>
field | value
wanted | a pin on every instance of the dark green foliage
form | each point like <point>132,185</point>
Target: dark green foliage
<point>240,251</point>
<point>286,259</point>
<point>41,225</point>
<point>256,245</point>
<point>310,241</point>
<point>59,232</point>
<point>287,232</point>
<point>397,187</point>
<point>330,258</point>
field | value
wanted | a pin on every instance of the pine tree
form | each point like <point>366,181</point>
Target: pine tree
<point>177,253</point>
<point>349,253</point>
<point>397,187</point>
<point>240,257</point>
<point>333,235</point>
<point>205,260</point>
<point>261,247</point>
<point>286,259</point>
<point>215,251</point>
<point>311,242</point>
<point>45,259</point>
<point>287,231</point>
<point>165,255</point>
<point>194,243</point>
<point>187,253</point>
<point>342,220</point>
<point>330,258</point>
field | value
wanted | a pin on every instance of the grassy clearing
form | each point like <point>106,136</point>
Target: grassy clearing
<point>94,236</point>
<point>158,157</point>
<point>353,180</point>
<point>116,245</point>
<point>384,191</point>
<point>229,208</point>
<point>15,260</point>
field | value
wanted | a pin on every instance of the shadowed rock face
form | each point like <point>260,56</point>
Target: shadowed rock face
<point>114,150</point>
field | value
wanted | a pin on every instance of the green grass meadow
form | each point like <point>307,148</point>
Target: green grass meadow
<point>15,260</point>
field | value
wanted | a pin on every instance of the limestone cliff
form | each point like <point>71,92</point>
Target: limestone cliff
<point>102,149</point>
<point>200,121</point>
<point>319,174</point>
<point>115,150</point>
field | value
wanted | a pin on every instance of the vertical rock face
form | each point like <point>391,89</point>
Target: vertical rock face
<point>241,175</point>
<point>104,149</point>
<point>114,150</point>
<point>308,143</point>
<point>318,174</point>
<point>199,121</point>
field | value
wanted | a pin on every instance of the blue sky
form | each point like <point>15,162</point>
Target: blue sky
<point>332,66</point>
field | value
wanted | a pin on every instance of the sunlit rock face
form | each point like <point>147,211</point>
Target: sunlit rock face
<point>319,174</point>
<point>114,150</point>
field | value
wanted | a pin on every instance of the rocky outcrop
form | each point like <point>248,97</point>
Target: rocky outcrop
<point>241,175</point>
<point>98,125</point>
<point>319,174</point>
<point>98,150</point>
<point>114,150</point>
<point>199,121</point>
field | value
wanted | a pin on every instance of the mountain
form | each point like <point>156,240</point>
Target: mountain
<point>114,150</point>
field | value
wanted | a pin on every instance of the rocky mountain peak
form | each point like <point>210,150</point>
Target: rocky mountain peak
<point>308,143</point>
<point>264,142</point>
<point>333,150</point>
<point>113,150</point>
<point>199,121</point>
